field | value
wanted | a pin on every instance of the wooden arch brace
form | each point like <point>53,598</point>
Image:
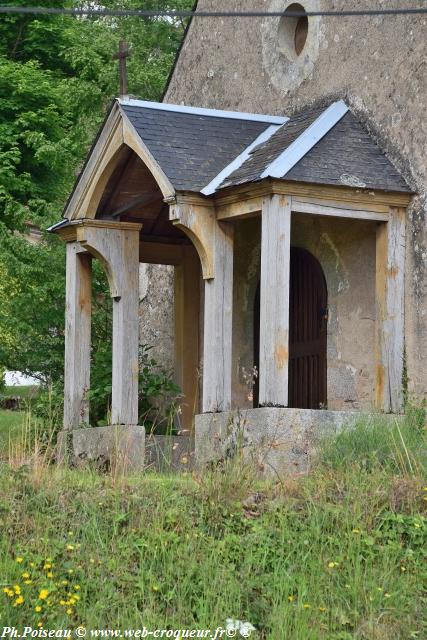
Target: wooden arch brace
<point>117,246</point>
<point>214,243</point>
<point>117,132</point>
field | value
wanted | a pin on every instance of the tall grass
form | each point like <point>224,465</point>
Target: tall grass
<point>337,555</point>
<point>397,445</point>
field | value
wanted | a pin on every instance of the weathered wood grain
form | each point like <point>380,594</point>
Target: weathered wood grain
<point>390,305</point>
<point>218,318</point>
<point>274,321</point>
<point>118,249</point>
<point>187,350</point>
<point>77,336</point>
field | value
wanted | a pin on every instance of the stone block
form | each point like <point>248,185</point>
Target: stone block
<point>118,447</point>
<point>276,440</point>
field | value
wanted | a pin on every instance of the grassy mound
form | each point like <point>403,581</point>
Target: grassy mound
<point>338,554</point>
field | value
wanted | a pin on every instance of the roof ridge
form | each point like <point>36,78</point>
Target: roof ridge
<point>203,111</point>
<point>290,156</point>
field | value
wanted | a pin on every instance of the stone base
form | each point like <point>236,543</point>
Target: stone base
<point>118,447</point>
<point>275,440</point>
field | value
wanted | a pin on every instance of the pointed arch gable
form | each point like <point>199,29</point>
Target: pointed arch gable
<point>116,132</point>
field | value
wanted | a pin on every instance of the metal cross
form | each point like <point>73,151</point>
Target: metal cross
<point>121,56</point>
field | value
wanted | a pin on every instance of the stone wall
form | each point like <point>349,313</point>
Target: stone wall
<point>378,65</point>
<point>157,312</point>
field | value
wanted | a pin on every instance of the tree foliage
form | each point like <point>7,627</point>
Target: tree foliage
<point>57,78</point>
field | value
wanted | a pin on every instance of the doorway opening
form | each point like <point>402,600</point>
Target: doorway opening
<point>308,316</point>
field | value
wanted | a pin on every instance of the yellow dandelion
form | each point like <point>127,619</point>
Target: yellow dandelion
<point>322,609</point>
<point>37,609</point>
<point>70,570</point>
<point>425,488</point>
<point>77,597</point>
<point>9,592</point>
<point>40,624</point>
<point>17,589</point>
<point>291,598</point>
<point>64,582</point>
<point>78,545</point>
<point>307,606</point>
<point>43,594</point>
<point>70,547</point>
<point>32,565</point>
<point>387,595</point>
<point>331,565</point>
<point>91,560</point>
<point>50,574</point>
<point>19,600</point>
<point>356,531</point>
<point>77,587</point>
<point>62,603</point>
<point>417,526</point>
<point>47,565</point>
<point>155,587</point>
<point>25,575</point>
<point>403,569</point>
<point>69,612</point>
<point>28,582</point>
<point>19,560</point>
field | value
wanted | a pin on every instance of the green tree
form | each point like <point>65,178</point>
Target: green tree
<point>57,77</point>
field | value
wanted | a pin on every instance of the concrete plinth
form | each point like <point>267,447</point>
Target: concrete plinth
<point>121,447</point>
<point>276,440</point>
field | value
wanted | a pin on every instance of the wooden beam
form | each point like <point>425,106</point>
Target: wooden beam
<point>336,210</point>
<point>161,253</point>
<point>187,353</point>
<point>241,209</point>
<point>274,320</point>
<point>390,304</point>
<point>218,315</point>
<point>77,336</point>
<point>362,198</point>
<point>145,199</point>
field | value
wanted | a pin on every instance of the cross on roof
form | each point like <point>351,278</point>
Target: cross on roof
<point>123,53</point>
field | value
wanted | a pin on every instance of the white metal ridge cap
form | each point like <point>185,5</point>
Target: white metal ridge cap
<point>201,111</point>
<point>306,141</point>
<point>240,159</point>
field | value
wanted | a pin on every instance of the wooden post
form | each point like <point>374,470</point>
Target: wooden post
<point>390,303</point>
<point>116,244</point>
<point>77,337</point>
<point>124,403</point>
<point>218,315</point>
<point>274,320</point>
<point>187,310</point>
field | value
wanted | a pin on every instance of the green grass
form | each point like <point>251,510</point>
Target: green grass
<point>336,555</point>
<point>11,423</point>
<point>20,391</point>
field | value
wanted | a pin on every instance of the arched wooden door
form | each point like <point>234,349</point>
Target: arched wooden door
<point>308,303</point>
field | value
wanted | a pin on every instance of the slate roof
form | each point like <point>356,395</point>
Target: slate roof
<point>264,154</point>
<point>346,155</point>
<point>191,148</point>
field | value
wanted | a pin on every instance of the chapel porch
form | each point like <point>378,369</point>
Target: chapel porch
<point>287,239</point>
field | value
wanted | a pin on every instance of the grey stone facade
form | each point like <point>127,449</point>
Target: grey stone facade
<point>378,66</point>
